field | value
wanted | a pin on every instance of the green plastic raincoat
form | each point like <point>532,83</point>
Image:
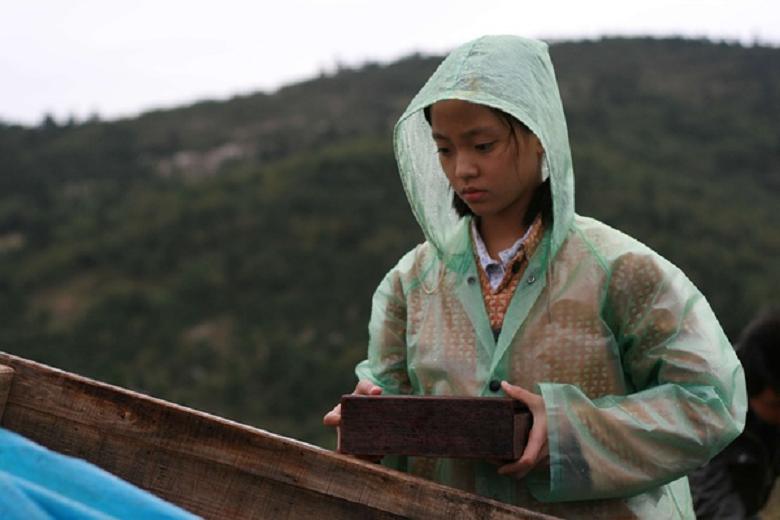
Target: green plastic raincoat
<point>639,381</point>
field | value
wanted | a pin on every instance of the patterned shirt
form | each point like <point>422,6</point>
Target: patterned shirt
<point>496,269</point>
<point>499,286</point>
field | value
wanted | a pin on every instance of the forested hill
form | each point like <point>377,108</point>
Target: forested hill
<point>223,254</point>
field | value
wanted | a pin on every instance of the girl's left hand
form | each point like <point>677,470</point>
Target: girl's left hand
<point>535,451</point>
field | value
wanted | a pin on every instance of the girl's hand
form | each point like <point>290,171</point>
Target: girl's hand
<point>536,450</point>
<point>333,417</point>
<point>364,387</point>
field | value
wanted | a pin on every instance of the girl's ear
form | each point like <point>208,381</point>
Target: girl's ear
<point>539,148</point>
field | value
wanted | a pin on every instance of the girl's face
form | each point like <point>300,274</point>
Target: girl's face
<point>492,166</point>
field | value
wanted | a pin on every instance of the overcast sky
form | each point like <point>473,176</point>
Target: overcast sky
<point>114,58</point>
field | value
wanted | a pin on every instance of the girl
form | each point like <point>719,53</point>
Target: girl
<point>627,373</point>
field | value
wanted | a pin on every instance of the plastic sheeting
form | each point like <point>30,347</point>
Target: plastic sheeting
<point>37,483</point>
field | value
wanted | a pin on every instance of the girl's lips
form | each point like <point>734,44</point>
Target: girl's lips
<point>474,195</point>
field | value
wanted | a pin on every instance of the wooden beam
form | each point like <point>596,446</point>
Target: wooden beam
<point>214,467</point>
<point>458,427</point>
<point>6,378</point>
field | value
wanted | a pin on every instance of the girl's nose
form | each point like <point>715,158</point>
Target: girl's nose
<point>465,167</point>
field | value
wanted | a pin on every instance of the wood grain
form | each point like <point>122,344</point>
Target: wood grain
<point>214,467</point>
<point>455,427</point>
<point>6,378</point>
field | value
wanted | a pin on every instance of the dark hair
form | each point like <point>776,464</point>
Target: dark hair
<point>541,201</point>
<point>758,349</point>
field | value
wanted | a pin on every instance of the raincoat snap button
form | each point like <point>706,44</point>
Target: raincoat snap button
<point>495,385</point>
<point>531,279</point>
<point>471,280</point>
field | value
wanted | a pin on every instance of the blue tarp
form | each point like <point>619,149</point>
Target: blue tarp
<point>37,483</point>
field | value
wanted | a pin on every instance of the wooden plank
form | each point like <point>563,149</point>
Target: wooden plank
<point>454,427</point>
<point>6,377</point>
<point>214,467</point>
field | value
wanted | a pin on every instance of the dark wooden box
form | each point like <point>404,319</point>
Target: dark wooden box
<point>455,427</point>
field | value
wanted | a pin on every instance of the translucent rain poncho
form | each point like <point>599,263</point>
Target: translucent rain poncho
<point>639,381</point>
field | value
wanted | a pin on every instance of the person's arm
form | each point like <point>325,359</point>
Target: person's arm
<point>714,494</point>
<point>385,365</point>
<point>384,371</point>
<point>688,399</point>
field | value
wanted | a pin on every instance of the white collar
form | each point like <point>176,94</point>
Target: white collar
<point>504,257</point>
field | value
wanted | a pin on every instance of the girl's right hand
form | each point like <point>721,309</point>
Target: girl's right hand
<point>333,417</point>
<point>364,387</point>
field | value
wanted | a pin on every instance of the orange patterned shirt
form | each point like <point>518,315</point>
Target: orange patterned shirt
<point>497,300</point>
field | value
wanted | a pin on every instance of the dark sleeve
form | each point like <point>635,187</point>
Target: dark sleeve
<point>714,495</point>
<point>734,484</point>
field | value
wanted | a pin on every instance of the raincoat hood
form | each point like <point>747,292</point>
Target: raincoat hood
<point>509,73</point>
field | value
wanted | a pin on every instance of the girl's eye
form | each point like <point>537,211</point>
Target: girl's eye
<point>485,147</point>
<point>442,150</point>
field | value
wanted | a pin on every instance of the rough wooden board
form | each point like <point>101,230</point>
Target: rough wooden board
<point>453,427</point>
<point>214,467</point>
<point>6,378</point>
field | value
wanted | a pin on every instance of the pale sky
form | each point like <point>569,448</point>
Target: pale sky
<point>78,57</point>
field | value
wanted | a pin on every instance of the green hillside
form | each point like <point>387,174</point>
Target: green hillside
<point>223,255</point>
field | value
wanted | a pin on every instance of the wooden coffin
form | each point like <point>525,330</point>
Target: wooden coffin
<point>211,466</point>
<point>455,427</point>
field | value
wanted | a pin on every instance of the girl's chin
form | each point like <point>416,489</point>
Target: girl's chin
<point>482,210</point>
<point>490,213</point>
